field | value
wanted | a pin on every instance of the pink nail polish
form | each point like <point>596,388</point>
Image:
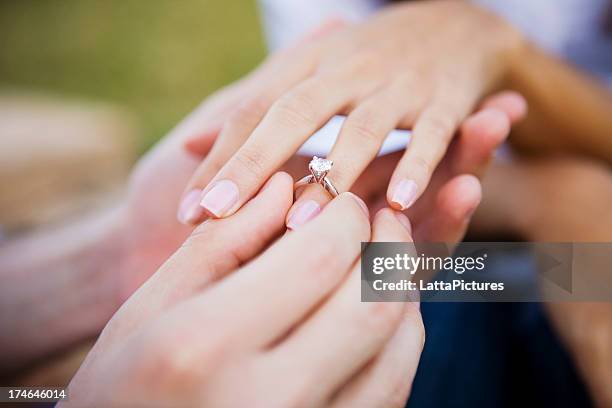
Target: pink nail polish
<point>189,211</point>
<point>404,193</point>
<point>304,212</point>
<point>220,198</point>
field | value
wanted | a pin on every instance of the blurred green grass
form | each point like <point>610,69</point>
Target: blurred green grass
<point>157,58</point>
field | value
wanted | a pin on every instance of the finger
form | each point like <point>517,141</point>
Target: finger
<point>230,99</point>
<point>511,103</point>
<point>344,333</point>
<point>284,73</point>
<point>216,248</point>
<point>469,153</point>
<point>233,134</point>
<point>454,205</point>
<point>480,135</point>
<point>358,143</point>
<point>272,293</point>
<point>431,136</point>
<point>370,185</point>
<point>486,130</point>
<point>199,146</point>
<point>290,120</point>
<point>387,380</point>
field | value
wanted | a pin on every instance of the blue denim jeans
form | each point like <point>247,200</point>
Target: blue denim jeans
<point>493,355</point>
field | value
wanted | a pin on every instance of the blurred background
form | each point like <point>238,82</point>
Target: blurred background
<point>86,86</point>
<point>155,59</point>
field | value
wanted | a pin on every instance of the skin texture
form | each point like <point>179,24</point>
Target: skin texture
<point>376,74</point>
<point>88,279</point>
<point>153,237</point>
<point>453,191</point>
<point>311,343</point>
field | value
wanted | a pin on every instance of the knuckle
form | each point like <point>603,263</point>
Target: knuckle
<point>380,318</point>
<point>424,167</point>
<point>329,253</point>
<point>295,109</point>
<point>251,161</point>
<point>174,364</point>
<point>414,78</point>
<point>365,61</point>
<point>439,127</point>
<point>363,127</point>
<point>170,364</point>
<point>249,113</point>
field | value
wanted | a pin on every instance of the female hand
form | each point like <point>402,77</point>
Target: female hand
<point>421,65</point>
<point>453,193</point>
<point>276,332</point>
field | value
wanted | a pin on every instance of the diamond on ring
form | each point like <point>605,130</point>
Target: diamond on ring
<point>318,175</point>
<point>320,167</point>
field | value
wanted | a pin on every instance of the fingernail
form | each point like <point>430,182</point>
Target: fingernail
<point>362,204</point>
<point>304,212</point>
<point>404,221</point>
<point>189,211</point>
<point>404,193</point>
<point>220,198</point>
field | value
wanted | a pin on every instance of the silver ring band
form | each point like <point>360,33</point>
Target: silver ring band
<point>318,175</point>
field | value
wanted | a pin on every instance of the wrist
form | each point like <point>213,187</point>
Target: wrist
<point>90,258</point>
<point>60,287</point>
<point>514,54</point>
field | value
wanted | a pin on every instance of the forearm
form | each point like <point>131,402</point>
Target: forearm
<point>56,288</point>
<point>568,110</point>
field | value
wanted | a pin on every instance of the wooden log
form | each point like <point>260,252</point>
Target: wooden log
<point>59,158</point>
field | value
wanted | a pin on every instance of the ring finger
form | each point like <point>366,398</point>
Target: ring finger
<point>358,143</point>
<point>286,125</point>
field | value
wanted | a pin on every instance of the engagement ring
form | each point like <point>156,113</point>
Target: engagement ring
<point>318,174</point>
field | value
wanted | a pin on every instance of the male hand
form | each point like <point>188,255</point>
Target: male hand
<point>220,324</point>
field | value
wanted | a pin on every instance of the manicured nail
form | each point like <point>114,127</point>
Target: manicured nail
<point>189,210</point>
<point>220,198</point>
<point>362,204</point>
<point>304,212</point>
<point>404,221</point>
<point>404,193</point>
